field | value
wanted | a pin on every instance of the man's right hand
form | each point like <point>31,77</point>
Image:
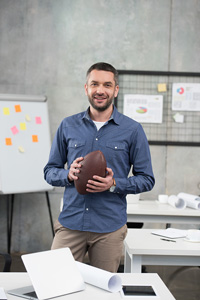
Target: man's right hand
<point>73,169</point>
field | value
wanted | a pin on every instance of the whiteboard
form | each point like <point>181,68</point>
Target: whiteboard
<point>24,143</point>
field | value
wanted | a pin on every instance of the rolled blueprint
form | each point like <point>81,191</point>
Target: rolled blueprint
<point>192,201</point>
<point>100,278</point>
<point>176,202</point>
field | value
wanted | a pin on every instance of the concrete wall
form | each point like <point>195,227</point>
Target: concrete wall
<point>46,47</point>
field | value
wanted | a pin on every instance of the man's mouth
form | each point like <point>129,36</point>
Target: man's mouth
<point>100,98</point>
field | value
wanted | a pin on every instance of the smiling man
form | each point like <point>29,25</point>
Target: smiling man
<point>96,222</point>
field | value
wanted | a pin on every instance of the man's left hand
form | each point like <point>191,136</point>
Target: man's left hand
<point>100,184</point>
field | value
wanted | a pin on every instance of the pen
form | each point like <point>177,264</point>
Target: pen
<point>168,240</point>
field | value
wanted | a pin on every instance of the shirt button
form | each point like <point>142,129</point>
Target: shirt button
<point>115,147</point>
<point>87,208</point>
<point>97,139</point>
<point>75,145</point>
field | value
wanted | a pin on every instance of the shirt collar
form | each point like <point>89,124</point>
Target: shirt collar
<point>114,116</point>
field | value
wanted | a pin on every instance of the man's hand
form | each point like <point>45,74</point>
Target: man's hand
<point>73,169</point>
<point>102,184</point>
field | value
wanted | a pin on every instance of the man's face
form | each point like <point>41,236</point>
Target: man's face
<point>101,89</point>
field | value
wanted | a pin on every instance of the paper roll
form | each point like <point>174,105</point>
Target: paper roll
<point>176,202</point>
<point>192,201</point>
<point>100,278</point>
<point>186,196</point>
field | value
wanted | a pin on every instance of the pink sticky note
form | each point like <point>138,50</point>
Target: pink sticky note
<point>38,120</point>
<point>14,130</point>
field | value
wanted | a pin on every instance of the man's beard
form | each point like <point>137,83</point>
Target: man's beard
<point>108,102</point>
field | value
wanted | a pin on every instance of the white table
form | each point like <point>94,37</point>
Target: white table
<point>15,280</point>
<point>155,212</point>
<point>144,248</point>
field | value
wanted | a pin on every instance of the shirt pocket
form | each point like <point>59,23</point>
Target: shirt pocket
<point>76,144</point>
<point>117,153</point>
<point>116,146</point>
<point>75,149</point>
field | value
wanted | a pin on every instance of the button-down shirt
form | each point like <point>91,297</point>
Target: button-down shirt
<point>124,145</point>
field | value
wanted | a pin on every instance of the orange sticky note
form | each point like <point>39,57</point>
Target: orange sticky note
<point>34,138</point>
<point>18,108</point>
<point>8,141</point>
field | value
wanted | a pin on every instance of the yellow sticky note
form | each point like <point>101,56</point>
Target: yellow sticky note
<point>28,118</point>
<point>22,126</point>
<point>162,87</point>
<point>34,138</point>
<point>6,111</point>
<point>8,141</point>
<point>21,149</point>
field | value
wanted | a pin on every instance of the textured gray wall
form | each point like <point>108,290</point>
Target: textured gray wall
<point>46,47</point>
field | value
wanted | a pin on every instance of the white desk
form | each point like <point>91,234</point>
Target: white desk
<point>156,212</point>
<point>144,248</point>
<point>15,280</point>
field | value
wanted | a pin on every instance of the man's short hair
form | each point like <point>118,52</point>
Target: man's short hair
<point>102,66</point>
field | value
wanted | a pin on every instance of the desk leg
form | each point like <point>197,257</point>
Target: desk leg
<point>136,264</point>
<point>127,262</point>
<point>132,263</point>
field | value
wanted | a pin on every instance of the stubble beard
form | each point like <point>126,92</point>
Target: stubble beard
<point>100,108</point>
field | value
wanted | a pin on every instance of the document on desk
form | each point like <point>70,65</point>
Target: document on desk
<point>100,278</point>
<point>171,233</point>
<point>2,294</point>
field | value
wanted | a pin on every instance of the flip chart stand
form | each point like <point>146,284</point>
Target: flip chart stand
<point>10,209</point>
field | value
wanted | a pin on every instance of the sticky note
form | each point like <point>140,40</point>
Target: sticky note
<point>21,149</point>
<point>162,87</point>
<point>178,118</point>
<point>6,111</point>
<point>27,118</point>
<point>14,130</point>
<point>18,108</point>
<point>34,138</point>
<point>8,141</point>
<point>22,126</point>
<point>38,120</point>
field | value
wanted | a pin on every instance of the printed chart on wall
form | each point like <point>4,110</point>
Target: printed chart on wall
<point>24,143</point>
<point>167,104</point>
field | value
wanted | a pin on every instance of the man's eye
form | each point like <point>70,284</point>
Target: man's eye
<point>93,84</point>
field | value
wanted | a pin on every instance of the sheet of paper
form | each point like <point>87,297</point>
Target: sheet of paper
<point>144,108</point>
<point>2,294</point>
<point>100,278</point>
<point>186,96</point>
<point>171,233</point>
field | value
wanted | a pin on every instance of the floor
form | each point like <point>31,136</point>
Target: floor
<point>184,286</point>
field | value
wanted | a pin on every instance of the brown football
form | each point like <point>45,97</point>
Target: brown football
<point>94,163</point>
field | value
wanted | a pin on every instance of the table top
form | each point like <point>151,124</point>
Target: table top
<point>155,212</point>
<point>154,207</point>
<point>16,280</point>
<point>142,241</point>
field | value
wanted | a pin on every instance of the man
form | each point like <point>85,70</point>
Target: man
<point>96,222</point>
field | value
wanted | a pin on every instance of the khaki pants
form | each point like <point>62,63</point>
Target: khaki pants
<point>104,249</point>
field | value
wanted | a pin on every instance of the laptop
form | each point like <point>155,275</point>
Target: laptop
<point>52,273</point>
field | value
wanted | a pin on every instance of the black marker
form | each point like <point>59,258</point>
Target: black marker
<point>168,240</point>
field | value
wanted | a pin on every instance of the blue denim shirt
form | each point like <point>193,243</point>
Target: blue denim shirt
<point>124,145</point>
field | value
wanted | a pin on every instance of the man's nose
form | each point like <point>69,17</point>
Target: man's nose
<point>100,89</point>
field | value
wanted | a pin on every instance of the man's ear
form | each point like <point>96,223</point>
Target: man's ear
<point>86,89</point>
<point>116,90</point>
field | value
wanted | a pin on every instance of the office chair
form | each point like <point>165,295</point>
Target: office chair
<point>6,261</point>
